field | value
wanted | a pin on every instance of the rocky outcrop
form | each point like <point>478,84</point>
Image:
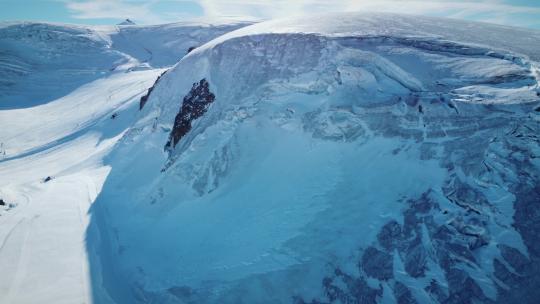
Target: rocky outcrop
<point>195,104</point>
<point>145,97</point>
<point>377,264</point>
<point>441,243</point>
<point>341,287</point>
<point>127,22</point>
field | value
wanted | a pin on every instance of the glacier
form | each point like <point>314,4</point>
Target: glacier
<point>340,158</point>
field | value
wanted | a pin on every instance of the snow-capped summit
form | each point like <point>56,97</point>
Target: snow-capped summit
<point>349,158</point>
<point>127,22</point>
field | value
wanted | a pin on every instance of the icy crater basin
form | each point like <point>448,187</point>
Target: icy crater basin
<point>332,142</point>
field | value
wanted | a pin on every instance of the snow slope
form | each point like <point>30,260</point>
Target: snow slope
<point>43,247</point>
<point>352,158</point>
<point>67,97</point>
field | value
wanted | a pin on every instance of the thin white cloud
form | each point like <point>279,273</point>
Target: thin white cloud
<point>497,11</point>
<point>138,10</point>
<point>105,9</point>
<point>486,10</point>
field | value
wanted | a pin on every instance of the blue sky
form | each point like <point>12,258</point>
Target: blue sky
<point>525,13</point>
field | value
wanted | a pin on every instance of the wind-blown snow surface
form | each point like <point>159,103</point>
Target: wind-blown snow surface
<point>352,158</point>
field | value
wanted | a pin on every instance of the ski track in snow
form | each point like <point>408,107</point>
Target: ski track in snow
<point>47,244</point>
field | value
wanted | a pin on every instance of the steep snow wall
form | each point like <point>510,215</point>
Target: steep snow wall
<point>68,94</point>
<point>369,158</point>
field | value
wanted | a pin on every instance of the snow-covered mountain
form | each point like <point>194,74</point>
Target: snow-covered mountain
<point>350,158</point>
<point>47,69</point>
<point>127,22</point>
<point>40,62</point>
<point>67,94</point>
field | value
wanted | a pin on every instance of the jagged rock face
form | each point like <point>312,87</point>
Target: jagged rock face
<point>145,97</point>
<point>194,105</point>
<point>453,230</point>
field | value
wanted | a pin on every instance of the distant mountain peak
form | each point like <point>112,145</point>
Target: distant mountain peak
<point>127,22</point>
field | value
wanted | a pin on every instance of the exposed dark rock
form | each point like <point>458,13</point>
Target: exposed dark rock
<point>191,48</point>
<point>411,223</point>
<point>436,291</point>
<point>194,105</point>
<point>451,236</point>
<point>145,97</point>
<point>417,213</point>
<point>422,205</point>
<point>464,196</point>
<point>300,300</point>
<point>477,242</point>
<point>524,283</point>
<point>514,258</point>
<point>453,106</point>
<point>403,294</point>
<point>47,179</point>
<point>472,230</point>
<point>2,202</point>
<point>463,289</point>
<point>504,275</point>
<point>127,22</point>
<point>377,264</point>
<point>390,235</point>
<point>343,288</point>
<point>415,259</point>
<point>114,115</point>
<point>460,251</point>
<point>356,290</point>
<point>527,215</point>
